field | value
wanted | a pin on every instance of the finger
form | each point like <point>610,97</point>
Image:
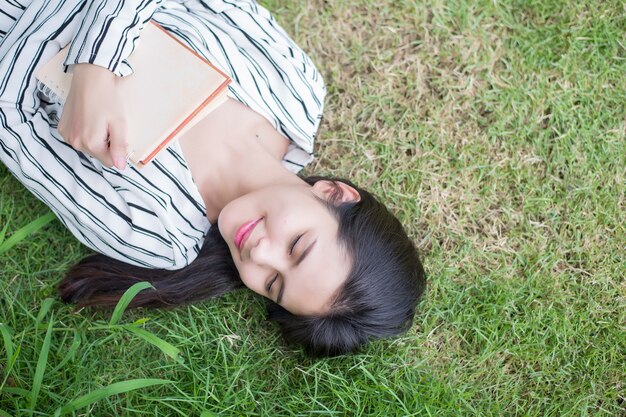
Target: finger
<point>62,126</point>
<point>99,149</point>
<point>118,145</point>
<point>61,130</point>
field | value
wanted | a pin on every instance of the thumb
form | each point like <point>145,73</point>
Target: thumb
<point>118,145</point>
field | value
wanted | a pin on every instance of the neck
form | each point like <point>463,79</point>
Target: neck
<point>234,151</point>
<point>238,169</point>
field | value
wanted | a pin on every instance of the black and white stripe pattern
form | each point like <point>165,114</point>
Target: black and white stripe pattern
<point>154,217</point>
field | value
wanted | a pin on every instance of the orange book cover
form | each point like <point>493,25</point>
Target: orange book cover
<point>170,90</point>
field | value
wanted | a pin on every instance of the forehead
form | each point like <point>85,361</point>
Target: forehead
<point>311,287</point>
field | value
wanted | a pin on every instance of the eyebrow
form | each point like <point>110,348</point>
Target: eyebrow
<point>301,258</point>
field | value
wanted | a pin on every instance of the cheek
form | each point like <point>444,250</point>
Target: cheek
<point>253,278</point>
<point>227,219</point>
<point>236,212</point>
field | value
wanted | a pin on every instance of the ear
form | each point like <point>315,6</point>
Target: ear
<point>336,192</point>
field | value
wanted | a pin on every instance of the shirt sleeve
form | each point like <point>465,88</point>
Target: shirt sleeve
<point>109,33</point>
<point>152,217</point>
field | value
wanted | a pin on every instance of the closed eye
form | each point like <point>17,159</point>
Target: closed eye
<point>294,242</point>
<point>269,285</point>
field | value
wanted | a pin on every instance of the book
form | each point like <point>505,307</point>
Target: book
<point>171,89</point>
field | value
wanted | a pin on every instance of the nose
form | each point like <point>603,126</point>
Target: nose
<point>267,255</point>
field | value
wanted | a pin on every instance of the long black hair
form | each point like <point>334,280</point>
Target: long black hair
<point>378,298</point>
<point>381,292</point>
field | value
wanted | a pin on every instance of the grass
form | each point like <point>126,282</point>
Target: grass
<point>496,130</point>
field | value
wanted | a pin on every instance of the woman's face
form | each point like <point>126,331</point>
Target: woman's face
<point>284,244</point>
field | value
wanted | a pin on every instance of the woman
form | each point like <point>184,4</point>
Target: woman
<point>220,208</point>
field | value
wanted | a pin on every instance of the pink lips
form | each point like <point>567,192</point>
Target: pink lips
<point>244,231</point>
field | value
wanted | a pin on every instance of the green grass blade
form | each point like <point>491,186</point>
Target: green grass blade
<point>71,352</point>
<point>45,307</point>
<point>3,232</point>
<point>141,321</point>
<point>126,299</point>
<point>165,347</point>
<point>16,391</point>
<point>22,233</point>
<point>41,366</point>
<point>8,343</point>
<point>5,413</point>
<point>113,389</point>
<point>9,367</point>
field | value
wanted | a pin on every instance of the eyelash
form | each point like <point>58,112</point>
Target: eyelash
<point>269,286</point>
<point>293,245</point>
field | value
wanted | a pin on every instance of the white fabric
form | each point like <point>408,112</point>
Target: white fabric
<point>154,217</point>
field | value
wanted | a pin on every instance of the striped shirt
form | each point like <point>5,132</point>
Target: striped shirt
<point>154,217</point>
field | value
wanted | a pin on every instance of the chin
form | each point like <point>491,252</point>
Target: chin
<point>220,226</point>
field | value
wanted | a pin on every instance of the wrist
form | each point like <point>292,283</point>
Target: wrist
<point>92,71</point>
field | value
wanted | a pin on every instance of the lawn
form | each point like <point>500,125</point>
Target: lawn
<point>496,131</point>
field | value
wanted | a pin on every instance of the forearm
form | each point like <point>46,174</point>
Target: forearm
<point>146,223</point>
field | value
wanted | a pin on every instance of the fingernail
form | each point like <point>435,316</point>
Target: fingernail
<point>120,163</point>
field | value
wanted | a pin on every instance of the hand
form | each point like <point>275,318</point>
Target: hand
<point>93,119</point>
